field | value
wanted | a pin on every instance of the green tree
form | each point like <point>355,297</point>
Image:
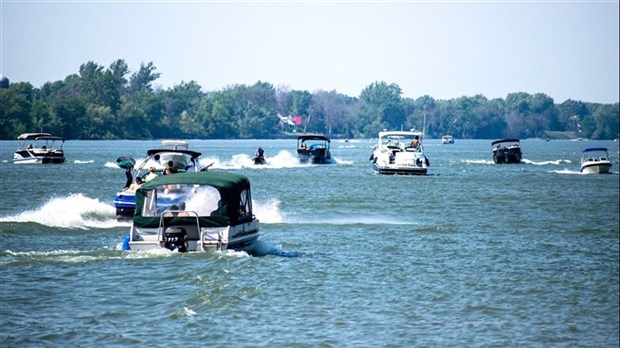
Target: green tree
<point>142,80</point>
<point>15,108</point>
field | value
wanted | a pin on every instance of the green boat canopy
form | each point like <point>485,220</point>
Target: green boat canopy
<point>233,189</point>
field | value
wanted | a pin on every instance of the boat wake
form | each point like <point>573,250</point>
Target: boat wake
<point>73,211</point>
<point>546,163</point>
<point>262,248</point>
<point>79,211</point>
<point>479,161</point>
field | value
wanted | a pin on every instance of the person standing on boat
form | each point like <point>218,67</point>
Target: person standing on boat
<point>129,178</point>
<point>415,143</point>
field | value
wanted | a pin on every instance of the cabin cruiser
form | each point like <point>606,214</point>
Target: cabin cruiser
<point>39,148</point>
<point>194,212</point>
<point>595,160</point>
<point>314,148</point>
<point>503,153</point>
<point>399,152</point>
<point>172,157</point>
<point>447,139</point>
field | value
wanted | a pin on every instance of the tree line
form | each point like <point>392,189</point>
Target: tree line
<point>113,103</point>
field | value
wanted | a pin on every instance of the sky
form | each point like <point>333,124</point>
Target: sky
<point>443,49</point>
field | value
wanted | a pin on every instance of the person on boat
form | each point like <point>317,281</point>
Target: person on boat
<point>415,143</point>
<point>206,168</point>
<point>170,169</point>
<point>129,178</point>
<point>137,185</point>
<point>151,175</point>
<point>259,152</point>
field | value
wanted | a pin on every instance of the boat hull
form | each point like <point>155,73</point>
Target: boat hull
<point>313,157</point>
<point>399,170</point>
<point>596,168</point>
<point>125,203</point>
<point>28,158</point>
<point>506,156</point>
<point>188,238</point>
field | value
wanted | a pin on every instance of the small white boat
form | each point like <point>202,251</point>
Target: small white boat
<point>39,148</point>
<point>397,152</point>
<point>595,160</point>
<point>194,212</point>
<point>173,156</point>
<point>447,139</point>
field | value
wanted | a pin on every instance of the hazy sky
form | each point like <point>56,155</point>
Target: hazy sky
<point>442,49</point>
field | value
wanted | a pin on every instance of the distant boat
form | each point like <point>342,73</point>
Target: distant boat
<point>595,160</point>
<point>40,148</point>
<point>447,139</point>
<point>506,154</point>
<point>314,148</point>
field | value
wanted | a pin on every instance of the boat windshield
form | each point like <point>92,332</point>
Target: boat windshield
<point>202,199</point>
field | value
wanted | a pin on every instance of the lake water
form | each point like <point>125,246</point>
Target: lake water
<point>472,255</point>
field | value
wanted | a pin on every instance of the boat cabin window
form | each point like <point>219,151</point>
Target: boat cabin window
<point>204,200</point>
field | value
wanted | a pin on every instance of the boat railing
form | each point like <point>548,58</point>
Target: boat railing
<point>167,217</point>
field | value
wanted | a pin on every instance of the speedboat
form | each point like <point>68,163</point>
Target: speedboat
<point>39,148</point>
<point>173,156</point>
<point>595,160</point>
<point>194,212</point>
<point>313,148</point>
<point>503,153</point>
<point>396,153</point>
<point>447,139</point>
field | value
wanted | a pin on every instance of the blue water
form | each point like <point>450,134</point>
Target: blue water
<point>472,255</point>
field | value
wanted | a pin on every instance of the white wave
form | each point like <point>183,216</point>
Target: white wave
<point>544,163</point>
<point>567,171</point>
<point>479,161</point>
<point>73,211</point>
<point>111,165</point>
<point>268,212</point>
<point>83,162</point>
<point>341,161</point>
<point>189,312</point>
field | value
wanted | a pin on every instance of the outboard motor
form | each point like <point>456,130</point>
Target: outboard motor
<point>175,238</point>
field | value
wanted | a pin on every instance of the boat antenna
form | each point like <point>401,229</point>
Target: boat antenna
<point>424,126</point>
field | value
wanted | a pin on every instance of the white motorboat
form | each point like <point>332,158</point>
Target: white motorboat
<point>173,157</point>
<point>398,152</point>
<point>595,160</point>
<point>194,212</point>
<point>39,148</point>
<point>447,139</point>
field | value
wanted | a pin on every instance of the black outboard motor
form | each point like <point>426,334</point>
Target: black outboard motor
<point>175,238</point>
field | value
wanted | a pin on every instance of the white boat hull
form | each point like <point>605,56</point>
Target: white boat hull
<point>208,239</point>
<point>596,168</point>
